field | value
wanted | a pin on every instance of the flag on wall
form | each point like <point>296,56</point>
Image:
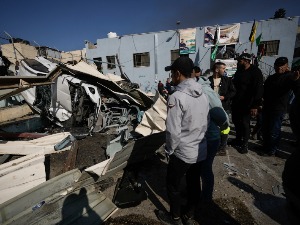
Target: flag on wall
<point>261,51</point>
<point>214,53</point>
<point>253,32</point>
<point>216,42</point>
<point>257,40</point>
<point>223,50</point>
<point>217,35</point>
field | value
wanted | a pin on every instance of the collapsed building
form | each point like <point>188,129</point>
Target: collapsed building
<point>54,166</point>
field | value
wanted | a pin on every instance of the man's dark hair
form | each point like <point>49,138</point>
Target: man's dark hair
<point>217,65</point>
<point>196,69</point>
<point>183,64</point>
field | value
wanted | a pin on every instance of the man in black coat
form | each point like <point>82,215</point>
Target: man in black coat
<point>248,81</point>
<point>277,88</point>
<point>290,173</point>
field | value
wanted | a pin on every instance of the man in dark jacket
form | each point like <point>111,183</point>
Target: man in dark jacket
<point>248,81</point>
<point>226,90</point>
<point>290,177</point>
<point>277,88</point>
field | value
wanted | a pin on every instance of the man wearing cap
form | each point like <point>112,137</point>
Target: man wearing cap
<point>248,81</point>
<point>277,88</point>
<point>186,125</point>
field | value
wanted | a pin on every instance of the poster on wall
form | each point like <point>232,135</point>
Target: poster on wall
<point>229,34</point>
<point>187,42</point>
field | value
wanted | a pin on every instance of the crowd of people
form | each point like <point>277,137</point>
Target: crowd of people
<point>197,126</point>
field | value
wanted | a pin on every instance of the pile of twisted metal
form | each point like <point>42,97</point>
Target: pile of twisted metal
<point>81,101</point>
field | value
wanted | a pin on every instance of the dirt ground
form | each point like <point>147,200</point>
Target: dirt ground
<point>247,189</point>
<point>247,186</point>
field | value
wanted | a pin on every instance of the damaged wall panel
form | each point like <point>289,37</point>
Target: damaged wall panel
<point>20,175</point>
<point>59,200</point>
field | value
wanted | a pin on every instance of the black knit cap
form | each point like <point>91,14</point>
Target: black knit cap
<point>183,64</point>
<point>281,61</point>
<point>246,56</point>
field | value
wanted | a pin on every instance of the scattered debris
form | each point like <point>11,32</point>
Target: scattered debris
<point>78,102</point>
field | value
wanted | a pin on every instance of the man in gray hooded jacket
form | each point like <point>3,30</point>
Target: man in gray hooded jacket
<point>186,125</point>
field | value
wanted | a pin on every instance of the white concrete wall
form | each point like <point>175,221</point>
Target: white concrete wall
<point>284,29</point>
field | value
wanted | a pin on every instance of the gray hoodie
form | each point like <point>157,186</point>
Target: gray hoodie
<point>187,122</point>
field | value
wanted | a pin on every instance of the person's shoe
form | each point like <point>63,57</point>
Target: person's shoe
<point>188,221</point>
<point>166,218</point>
<point>221,152</point>
<point>244,149</point>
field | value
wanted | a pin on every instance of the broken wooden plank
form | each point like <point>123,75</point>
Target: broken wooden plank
<point>13,112</point>
<point>71,158</point>
<point>43,145</point>
<point>16,135</point>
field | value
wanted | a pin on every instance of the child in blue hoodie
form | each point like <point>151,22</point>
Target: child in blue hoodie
<point>218,121</point>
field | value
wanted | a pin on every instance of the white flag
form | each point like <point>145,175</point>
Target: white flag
<point>223,50</point>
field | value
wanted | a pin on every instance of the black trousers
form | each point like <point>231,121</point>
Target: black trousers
<point>177,170</point>
<point>241,120</point>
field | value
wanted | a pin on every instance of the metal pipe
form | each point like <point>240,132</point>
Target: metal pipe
<point>12,41</point>
<point>39,47</point>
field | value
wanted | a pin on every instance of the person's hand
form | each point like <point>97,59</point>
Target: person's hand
<point>222,98</point>
<point>253,112</point>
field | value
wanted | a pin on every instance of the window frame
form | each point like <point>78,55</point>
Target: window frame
<point>141,59</point>
<point>175,54</point>
<point>270,48</point>
<point>111,62</point>
<point>98,63</point>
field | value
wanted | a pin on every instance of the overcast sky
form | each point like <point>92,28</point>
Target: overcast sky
<point>65,25</point>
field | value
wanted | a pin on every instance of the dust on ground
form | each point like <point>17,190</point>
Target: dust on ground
<point>247,186</point>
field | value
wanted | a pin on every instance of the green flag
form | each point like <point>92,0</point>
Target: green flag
<point>257,40</point>
<point>214,53</point>
<point>216,43</point>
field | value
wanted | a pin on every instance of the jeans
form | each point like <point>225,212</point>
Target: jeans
<point>223,144</point>
<point>207,175</point>
<point>272,130</point>
<point>176,171</point>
